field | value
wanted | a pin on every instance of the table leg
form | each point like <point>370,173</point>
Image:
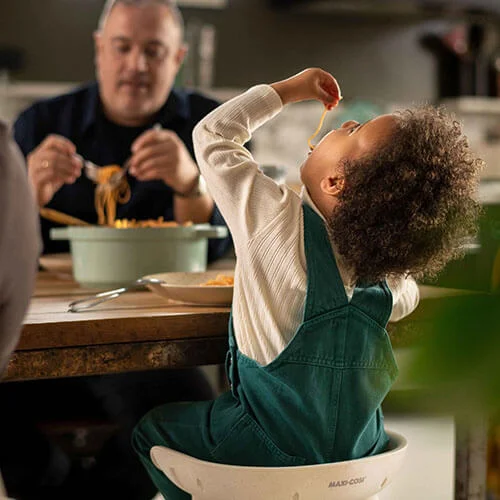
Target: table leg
<point>470,461</point>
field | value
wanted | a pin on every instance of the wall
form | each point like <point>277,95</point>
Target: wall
<point>373,59</point>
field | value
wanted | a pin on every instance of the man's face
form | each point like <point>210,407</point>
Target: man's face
<point>138,54</point>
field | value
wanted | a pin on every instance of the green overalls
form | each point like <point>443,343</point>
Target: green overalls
<point>318,401</point>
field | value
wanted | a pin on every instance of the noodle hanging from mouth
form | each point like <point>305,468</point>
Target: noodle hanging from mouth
<point>321,120</point>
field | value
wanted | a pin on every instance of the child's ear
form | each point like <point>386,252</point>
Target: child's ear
<point>332,185</point>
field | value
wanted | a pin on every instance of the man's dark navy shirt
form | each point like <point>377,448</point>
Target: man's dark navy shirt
<point>79,117</point>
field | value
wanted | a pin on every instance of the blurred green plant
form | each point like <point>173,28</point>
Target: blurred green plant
<point>457,362</point>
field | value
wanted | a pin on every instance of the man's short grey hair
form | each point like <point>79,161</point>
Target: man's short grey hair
<point>171,4</point>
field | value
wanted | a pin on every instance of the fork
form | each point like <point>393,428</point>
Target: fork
<point>91,169</point>
<point>92,172</point>
<point>118,176</point>
<point>115,179</point>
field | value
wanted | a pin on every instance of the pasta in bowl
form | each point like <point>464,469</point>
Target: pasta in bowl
<point>203,288</point>
<point>118,251</point>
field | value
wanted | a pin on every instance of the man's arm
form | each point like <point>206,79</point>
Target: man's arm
<point>19,244</point>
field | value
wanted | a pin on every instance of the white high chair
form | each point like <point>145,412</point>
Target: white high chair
<point>360,479</point>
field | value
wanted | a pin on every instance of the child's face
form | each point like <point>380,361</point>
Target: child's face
<point>349,142</point>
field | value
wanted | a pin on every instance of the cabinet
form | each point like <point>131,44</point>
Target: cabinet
<point>481,120</point>
<point>403,8</point>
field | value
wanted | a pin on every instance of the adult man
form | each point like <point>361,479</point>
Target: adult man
<point>139,50</point>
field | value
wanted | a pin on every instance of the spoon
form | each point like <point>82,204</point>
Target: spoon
<point>62,218</point>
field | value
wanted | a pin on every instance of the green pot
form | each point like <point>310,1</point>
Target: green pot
<point>105,257</point>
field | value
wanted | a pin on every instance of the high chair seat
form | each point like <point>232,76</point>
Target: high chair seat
<point>360,479</point>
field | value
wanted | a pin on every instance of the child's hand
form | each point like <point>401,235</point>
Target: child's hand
<point>312,83</point>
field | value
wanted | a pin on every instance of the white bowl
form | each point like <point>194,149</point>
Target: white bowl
<point>185,287</point>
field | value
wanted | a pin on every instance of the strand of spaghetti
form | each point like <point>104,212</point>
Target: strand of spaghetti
<point>111,205</point>
<point>99,205</point>
<point>106,197</point>
<point>321,120</point>
<point>123,191</point>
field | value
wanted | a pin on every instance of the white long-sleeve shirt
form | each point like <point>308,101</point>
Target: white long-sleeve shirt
<point>265,220</point>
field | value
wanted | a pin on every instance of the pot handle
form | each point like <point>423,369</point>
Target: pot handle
<point>59,233</point>
<point>211,232</point>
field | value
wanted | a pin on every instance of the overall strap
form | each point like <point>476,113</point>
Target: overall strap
<point>375,301</point>
<point>325,289</point>
<point>232,357</point>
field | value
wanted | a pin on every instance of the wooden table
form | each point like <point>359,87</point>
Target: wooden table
<point>139,330</point>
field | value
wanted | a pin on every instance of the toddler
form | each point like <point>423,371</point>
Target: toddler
<point>318,276</point>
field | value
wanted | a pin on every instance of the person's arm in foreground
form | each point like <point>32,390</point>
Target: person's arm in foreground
<point>19,244</point>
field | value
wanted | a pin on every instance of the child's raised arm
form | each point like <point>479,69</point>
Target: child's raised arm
<point>312,83</point>
<point>248,200</point>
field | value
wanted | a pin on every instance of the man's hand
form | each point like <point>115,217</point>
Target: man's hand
<point>51,165</point>
<point>161,155</point>
<point>312,83</point>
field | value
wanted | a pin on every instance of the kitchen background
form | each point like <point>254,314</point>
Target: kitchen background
<point>385,54</point>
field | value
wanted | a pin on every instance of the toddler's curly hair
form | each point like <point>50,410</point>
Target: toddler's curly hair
<point>408,208</point>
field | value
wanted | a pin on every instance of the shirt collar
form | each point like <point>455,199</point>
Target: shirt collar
<point>177,106</point>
